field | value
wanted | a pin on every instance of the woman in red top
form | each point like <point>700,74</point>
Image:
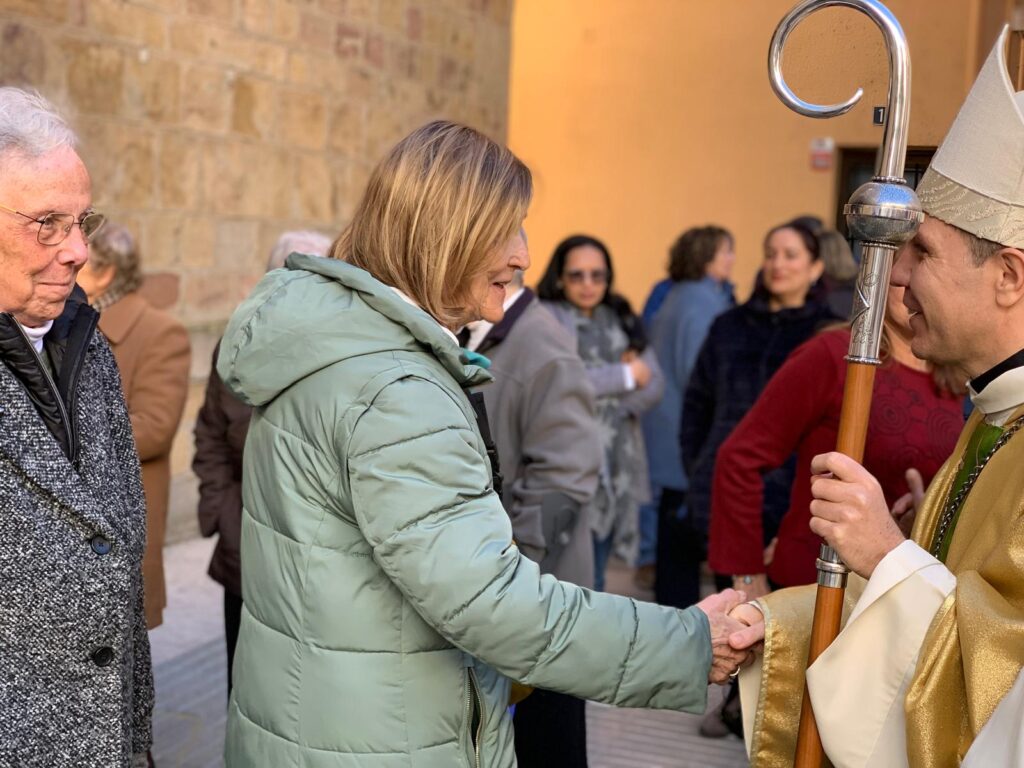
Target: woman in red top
<point>914,424</point>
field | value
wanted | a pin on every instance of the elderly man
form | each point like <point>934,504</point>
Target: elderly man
<point>541,409</point>
<point>76,685</point>
<point>936,635</point>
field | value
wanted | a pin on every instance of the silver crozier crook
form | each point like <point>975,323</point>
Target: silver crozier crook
<point>882,215</point>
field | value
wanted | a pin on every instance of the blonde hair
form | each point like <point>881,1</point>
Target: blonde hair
<point>433,213</point>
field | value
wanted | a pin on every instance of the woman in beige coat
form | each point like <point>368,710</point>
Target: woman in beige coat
<point>152,353</point>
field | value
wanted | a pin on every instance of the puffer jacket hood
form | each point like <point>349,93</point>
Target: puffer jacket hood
<point>272,341</point>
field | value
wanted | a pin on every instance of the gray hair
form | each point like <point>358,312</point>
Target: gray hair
<point>836,254</point>
<point>114,246</point>
<point>297,241</point>
<point>30,126</point>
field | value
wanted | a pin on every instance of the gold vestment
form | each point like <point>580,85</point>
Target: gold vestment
<point>973,648</point>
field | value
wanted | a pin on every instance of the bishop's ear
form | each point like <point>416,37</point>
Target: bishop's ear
<point>1010,281</point>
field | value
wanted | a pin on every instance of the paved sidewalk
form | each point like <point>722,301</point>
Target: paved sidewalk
<point>189,662</point>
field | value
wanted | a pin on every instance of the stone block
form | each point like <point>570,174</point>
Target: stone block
<point>160,241</point>
<point>318,69</point>
<point>316,31</point>
<point>221,10</point>
<point>337,8</point>
<point>49,10</point>
<point>311,188</point>
<point>178,183</point>
<point>362,11</point>
<point>211,295</point>
<point>257,16</point>
<point>152,89</point>
<point>95,77</point>
<point>237,243</point>
<point>23,59</point>
<point>302,121</point>
<point>374,50</point>
<point>185,36</point>
<point>206,98</point>
<point>348,128</point>
<point>199,242</point>
<point>241,52</point>
<point>122,162</point>
<point>349,41</point>
<point>254,106</point>
<point>127,21</point>
<point>391,15</point>
<point>229,187</point>
<point>414,23</point>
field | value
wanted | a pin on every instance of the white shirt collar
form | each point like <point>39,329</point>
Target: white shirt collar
<point>408,300</point>
<point>35,335</point>
<point>479,329</point>
<point>1000,397</point>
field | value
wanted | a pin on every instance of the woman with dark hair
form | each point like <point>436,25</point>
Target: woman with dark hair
<point>700,262</point>
<point>577,288</point>
<point>915,420</point>
<point>744,347</point>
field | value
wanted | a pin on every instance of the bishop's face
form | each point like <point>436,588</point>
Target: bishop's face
<point>950,299</point>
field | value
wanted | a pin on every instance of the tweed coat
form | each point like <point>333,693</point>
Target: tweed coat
<point>152,353</point>
<point>76,686</point>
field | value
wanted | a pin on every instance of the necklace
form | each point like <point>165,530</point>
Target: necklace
<point>953,503</point>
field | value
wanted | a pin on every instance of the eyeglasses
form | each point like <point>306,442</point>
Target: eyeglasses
<point>596,276</point>
<point>54,228</point>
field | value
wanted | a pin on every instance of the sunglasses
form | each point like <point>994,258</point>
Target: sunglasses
<point>579,276</point>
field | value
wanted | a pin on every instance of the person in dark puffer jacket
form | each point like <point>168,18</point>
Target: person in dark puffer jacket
<point>743,349</point>
<point>76,687</point>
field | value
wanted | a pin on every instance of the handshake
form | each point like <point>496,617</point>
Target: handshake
<point>737,631</point>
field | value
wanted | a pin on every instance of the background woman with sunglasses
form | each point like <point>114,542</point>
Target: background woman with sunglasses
<point>577,288</point>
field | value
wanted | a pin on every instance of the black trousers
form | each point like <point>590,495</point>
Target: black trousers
<point>551,731</point>
<point>232,618</point>
<point>680,552</point>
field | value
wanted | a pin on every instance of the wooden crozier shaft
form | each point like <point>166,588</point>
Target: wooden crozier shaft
<point>828,608</point>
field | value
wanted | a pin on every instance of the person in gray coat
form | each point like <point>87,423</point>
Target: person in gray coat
<point>577,289</point>
<point>541,416</point>
<point>76,687</point>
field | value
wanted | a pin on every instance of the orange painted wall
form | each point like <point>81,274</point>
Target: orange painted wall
<point>641,118</point>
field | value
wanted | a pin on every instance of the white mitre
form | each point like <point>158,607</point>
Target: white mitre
<point>976,179</point>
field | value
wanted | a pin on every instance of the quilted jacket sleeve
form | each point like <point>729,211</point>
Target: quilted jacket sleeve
<point>421,494</point>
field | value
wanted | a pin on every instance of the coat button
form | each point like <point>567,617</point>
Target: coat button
<point>102,656</point>
<point>100,545</point>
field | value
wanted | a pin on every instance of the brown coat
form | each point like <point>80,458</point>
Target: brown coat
<point>221,428</point>
<point>152,353</point>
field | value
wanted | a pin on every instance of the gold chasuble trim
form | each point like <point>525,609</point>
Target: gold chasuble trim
<point>974,647</point>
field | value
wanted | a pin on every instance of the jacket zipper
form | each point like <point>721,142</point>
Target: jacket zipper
<point>76,372</point>
<point>480,724</point>
<point>72,441</point>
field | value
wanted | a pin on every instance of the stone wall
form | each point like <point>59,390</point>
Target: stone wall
<point>210,126</point>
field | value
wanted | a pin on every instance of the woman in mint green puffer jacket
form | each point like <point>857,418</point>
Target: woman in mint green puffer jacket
<point>386,606</point>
